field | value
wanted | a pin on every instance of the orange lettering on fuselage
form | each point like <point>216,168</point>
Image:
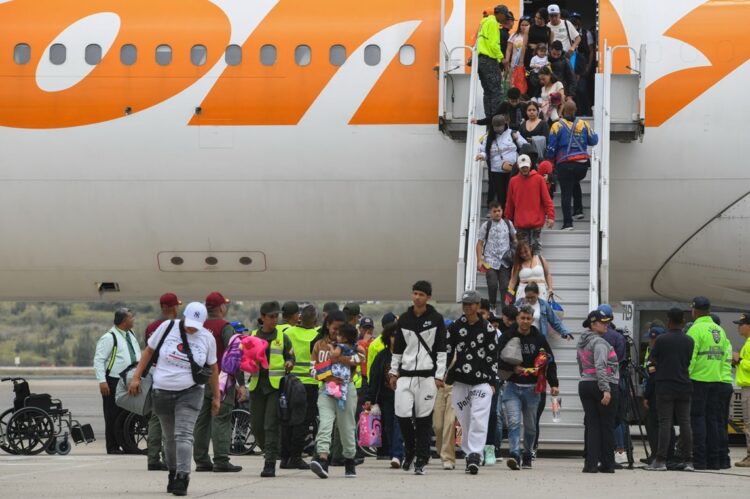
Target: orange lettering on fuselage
<point>112,86</point>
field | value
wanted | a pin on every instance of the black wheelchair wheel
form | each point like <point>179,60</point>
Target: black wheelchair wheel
<point>30,431</point>
<point>243,440</point>
<point>135,434</point>
<point>4,419</point>
<point>63,446</point>
<point>51,448</point>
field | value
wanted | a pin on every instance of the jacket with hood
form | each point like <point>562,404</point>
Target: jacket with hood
<point>410,357</point>
<point>528,201</point>
<point>597,361</point>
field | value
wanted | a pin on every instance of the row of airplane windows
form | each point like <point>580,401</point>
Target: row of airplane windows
<point>199,54</point>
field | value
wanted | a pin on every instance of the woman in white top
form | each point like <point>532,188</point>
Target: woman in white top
<point>550,85</point>
<point>527,268</point>
<point>514,52</point>
<point>499,148</point>
<point>176,397</point>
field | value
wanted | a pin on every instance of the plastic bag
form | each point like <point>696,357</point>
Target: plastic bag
<point>518,79</point>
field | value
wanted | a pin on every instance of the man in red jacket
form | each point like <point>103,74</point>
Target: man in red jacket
<point>528,203</point>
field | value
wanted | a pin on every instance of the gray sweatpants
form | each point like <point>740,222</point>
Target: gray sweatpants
<point>177,412</point>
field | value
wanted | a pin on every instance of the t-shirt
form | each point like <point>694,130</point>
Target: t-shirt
<point>538,34</point>
<point>172,371</point>
<point>537,62</point>
<point>501,234</point>
<point>566,35</point>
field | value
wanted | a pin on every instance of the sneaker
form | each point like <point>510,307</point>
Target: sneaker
<point>513,463</point>
<point>656,465</point>
<point>498,457</point>
<point>489,455</point>
<point>395,463</point>
<point>472,463</point>
<point>621,457</point>
<point>567,227</point>
<point>578,216</point>
<point>157,466</point>
<point>229,468</point>
<point>350,469</point>
<point>419,467</point>
<point>406,463</point>
<point>297,463</point>
<point>745,463</point>
<point>319,467</point>
<point>269,469</point>
<point>590,469</point>
<point>204,467</point>
<point>448,466</point>
<point>170,482</point>
<point>533,455</point>
<point>180,485</point>
<point>526,462</point>
<point>688,466</point>
<point>284,464</point>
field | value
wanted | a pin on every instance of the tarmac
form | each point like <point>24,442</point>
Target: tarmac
<point>88,472</point>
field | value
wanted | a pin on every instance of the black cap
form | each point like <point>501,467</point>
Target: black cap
<point>388,319</point>
<point>509,16</point>
<point>596,315</point>
<point>330,306</point>
<point>744,318</point>
<point>701,303</point>
<point>501,9</point>
<point>290,308</point>
<point>269,307</point>
<point>574,14</point>
<point>367,322</point>
<point>352,309</point>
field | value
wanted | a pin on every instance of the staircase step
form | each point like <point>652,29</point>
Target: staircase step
<point>575,267</point>
<point>570,253</point>
<point>551,237</point>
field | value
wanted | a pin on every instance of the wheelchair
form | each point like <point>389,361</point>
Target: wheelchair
<point>38,423</point>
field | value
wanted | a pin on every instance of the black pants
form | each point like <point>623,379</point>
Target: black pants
<point>111,411</point>
<point>704,422</point>
<point>416,433</point>
<point>570,175</point>
<point>488,71</point>
<point>497,279</point>
<point>600,424</point>
<point>726,392</point>
<point>498,187</point>
<point>539,412</point>
<point>293,437</point>
<point>492,423</point>
<point>670,409</point>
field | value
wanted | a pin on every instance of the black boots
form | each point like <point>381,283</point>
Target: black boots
<point>180,484</point>
<point>269,469</point>
<point>170,483</point>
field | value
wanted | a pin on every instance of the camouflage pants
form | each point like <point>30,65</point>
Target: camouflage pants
<point>489,77</point>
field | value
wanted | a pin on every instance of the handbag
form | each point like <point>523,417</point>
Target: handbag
<point>556,307</point>
<point>201,374</point>
<point>370,428</point>
<point>140,403</point>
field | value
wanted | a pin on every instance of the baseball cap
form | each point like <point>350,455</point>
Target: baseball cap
<point>169,299</point>
<point>595,316</point>
<point>606,309</point>
<point>524,160</point>
<point>330,306</point>
<point>655,332</point>
<point>290,308</point>
<point>701,303</point>
<point>351,309</point>
<point>545,167</point>
<point>471,297</point>
<point>574,14</point>
<point>744,318</point>
<point>367,322</point>
<point>216,299</point>
<point>388,319</point>
<point>553,8</point>
<point>269,307</point>
<point>239,327</point>
<point>195,314</point>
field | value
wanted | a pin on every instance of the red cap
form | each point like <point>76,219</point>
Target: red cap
<point>169,299</point>
<point>215,300</point>
<point>545,167</point>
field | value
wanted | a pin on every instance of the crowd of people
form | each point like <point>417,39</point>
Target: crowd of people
<point>428,376</point>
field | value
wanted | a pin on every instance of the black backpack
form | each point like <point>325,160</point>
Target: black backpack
<point>292,413</point>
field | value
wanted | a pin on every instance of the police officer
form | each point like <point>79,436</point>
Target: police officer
<point>712,351</point>
<point>293,438</point>
<point>169,307</point>
<point>264,387</point>
<point>217,429</point>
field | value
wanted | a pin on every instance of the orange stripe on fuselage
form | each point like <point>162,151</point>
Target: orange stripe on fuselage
<point>613,31</point>
<point>111,86</point>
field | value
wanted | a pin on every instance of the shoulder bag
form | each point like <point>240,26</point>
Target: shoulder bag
<point>201,374</point>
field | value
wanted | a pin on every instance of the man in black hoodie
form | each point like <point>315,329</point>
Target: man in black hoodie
<point>473,341</point>
<point>417,369</point>
<point>520,398</point>
<point>561,68</point>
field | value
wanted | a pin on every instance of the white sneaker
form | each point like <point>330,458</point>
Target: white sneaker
<point>395,463</point>
<point>448,466</point>
<point>621,457</point>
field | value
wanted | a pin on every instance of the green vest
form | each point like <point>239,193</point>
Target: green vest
<point>743,368</point>
<point>301,339</point>
<point>276,369</point>
<point>711,353</point>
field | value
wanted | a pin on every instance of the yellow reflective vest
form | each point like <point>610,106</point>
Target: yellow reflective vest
<point>302,340</point>
<point>276,369</point>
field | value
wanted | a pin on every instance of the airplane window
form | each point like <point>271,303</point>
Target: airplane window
<point>268,55</point>
<point>93,54</point>
<point>22,53</point>
<point>163,55</point>
<point>233,55</point>
<point>407,55</point>
<point>372,55</point>
<point>57,54</point>
<point>128,54</point>
<point>337,55</point>
<point>302,55</point>
<point>198,55</point>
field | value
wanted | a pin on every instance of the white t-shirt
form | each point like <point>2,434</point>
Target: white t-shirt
<point>537,315</point>
<point>537,62</point>
<point>172,370</point>
<point>560,32</point>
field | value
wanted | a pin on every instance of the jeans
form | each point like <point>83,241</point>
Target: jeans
<point>726,393</point>
<point>215,429</point>
<point>521,401</point>
<point>443,424</point>
<point>669,408</point>
<point>703,421</point>
<point>600,424</point>
<point>497,279</point>
<point>330,414</point>
<point>177,412</point>
<point>570,175</point>
<point>531,236</point>
<point>488,71</point>
<point>391,429</point>
<point>293,437</point>
<point>498,187</point>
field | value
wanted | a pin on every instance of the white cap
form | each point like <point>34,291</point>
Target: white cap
<point>524,160</point>
<point>195,315</point>
<point>553,9</point>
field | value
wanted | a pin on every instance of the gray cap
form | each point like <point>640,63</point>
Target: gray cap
<point>471,296</point>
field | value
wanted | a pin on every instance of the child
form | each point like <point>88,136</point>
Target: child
<point>540,58</point>
<point>338,386</point>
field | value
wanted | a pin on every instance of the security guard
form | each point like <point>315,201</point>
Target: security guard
<point>742,362</point>
<point>490,56</point>
<point>289,315</point>
<point>217,429</point>
<point>303,337</point>
<point>264,387</point>
<point>711,353</point>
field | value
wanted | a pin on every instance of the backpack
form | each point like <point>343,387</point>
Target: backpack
<point>293,412</point>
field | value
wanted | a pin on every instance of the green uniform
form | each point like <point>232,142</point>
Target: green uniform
<point>712,353</point>
<point>743,367</point>
<point>488,41</point>
<point>302,340</point>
